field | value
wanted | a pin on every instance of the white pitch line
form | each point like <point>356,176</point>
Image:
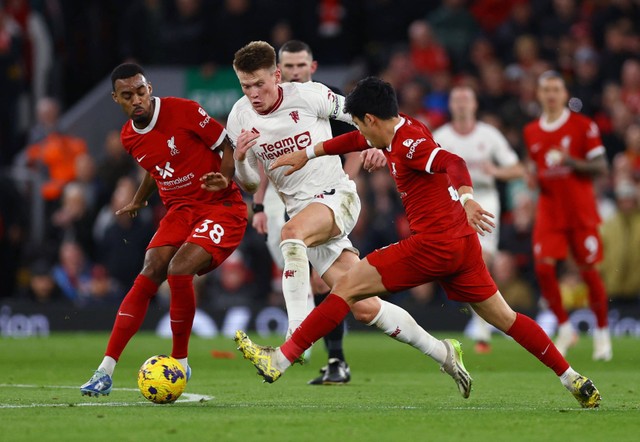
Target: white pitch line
<point>184,398</point>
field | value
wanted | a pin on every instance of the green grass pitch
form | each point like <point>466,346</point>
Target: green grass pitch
<point>395,394</point>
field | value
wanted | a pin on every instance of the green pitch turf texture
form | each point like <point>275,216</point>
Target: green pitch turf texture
<point>395,394</point>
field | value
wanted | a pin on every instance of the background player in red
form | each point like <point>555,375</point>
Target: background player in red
<point>436,192</point>
<point>189,160</point>
<point>566,150</point>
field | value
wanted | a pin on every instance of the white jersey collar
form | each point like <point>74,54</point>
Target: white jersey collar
<point>154,119</point>
<point>555,125</point>
<point>396,128</point>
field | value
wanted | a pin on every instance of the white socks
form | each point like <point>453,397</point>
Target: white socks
<point>400,325</point>
<point>108,365</point>
<point>184,364</point>
<point>295,281</point>
<point>568,376</point>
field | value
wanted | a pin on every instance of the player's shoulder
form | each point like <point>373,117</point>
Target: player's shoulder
<point>533,125</point>
<point>240,107</point>
<point>413,133</point>
<point>177,102</point>
<point>579,118</point>
<point>444,130</point>
<point>308,89</point>
<point>488,130</point>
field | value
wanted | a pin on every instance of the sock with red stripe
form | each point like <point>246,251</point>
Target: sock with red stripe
<point>528,334</point>
<point>182,310</point>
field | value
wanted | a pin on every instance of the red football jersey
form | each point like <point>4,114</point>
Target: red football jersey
<point>429,199</point>
<point>176,148</point>
<point>567,199</point>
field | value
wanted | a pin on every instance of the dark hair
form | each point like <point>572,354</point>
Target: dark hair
<point>372,96</point>
<point>295,46</point>
<point>255,56</point>
<point>125,70</point>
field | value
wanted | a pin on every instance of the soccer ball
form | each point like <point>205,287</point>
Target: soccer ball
<point>161,379</point>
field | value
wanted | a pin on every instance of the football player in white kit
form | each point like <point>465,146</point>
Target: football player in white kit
<point>296,64</point>
<point>489,157</point>
<point>273,119</point>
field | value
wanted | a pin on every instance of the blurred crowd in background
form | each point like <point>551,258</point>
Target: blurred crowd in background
<point>52,52</point>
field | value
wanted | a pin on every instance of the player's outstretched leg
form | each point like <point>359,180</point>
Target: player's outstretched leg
<point>455,368</point>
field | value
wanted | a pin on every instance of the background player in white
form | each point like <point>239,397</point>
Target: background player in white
<point>296,64</point>
<point>273,119</point>
<point>488,157</point>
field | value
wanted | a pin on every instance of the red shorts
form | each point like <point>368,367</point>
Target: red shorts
<point>217,228</point>
<point>456,264</point>
<point>585,244</point>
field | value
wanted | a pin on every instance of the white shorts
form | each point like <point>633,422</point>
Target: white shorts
<point>344,202</point>
<point>490,202</point>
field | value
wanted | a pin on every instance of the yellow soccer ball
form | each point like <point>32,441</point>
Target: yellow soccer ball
<point>161,379</point>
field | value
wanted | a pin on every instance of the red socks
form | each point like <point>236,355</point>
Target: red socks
<point>130,315</point>
<point>528,334</point>
<point>322,319</point>
<point>550,289</point>
<point>182,310</point>
<point>597,296</point>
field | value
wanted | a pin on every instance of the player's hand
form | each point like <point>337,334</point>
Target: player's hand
<point>246,140</point>
<point>478,218</point>
<point>373,159</point>
<point>214,181</point>
<point>296,160</point>
<point>259,222</point>
<point>132,208</point>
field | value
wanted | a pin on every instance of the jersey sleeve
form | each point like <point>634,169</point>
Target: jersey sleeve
<point>349,142</point>
<point>233,126</point>
<point>326,103</point>
<point>526,138</point>
<point>206,128</point>
<point>593,145</point>
<point>453,165</point>
<point>501,151</point>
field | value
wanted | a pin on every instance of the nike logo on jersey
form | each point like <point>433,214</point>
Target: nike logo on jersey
<point>125,314</point>
<point>138,159</point>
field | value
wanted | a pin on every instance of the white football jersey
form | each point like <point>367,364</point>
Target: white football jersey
<point>483,144</point>
<point>299,118</point>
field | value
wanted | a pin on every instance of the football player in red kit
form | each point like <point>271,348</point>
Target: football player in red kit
<point>566,151</point>
<point>436,192</point>
<point>189,160</point>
